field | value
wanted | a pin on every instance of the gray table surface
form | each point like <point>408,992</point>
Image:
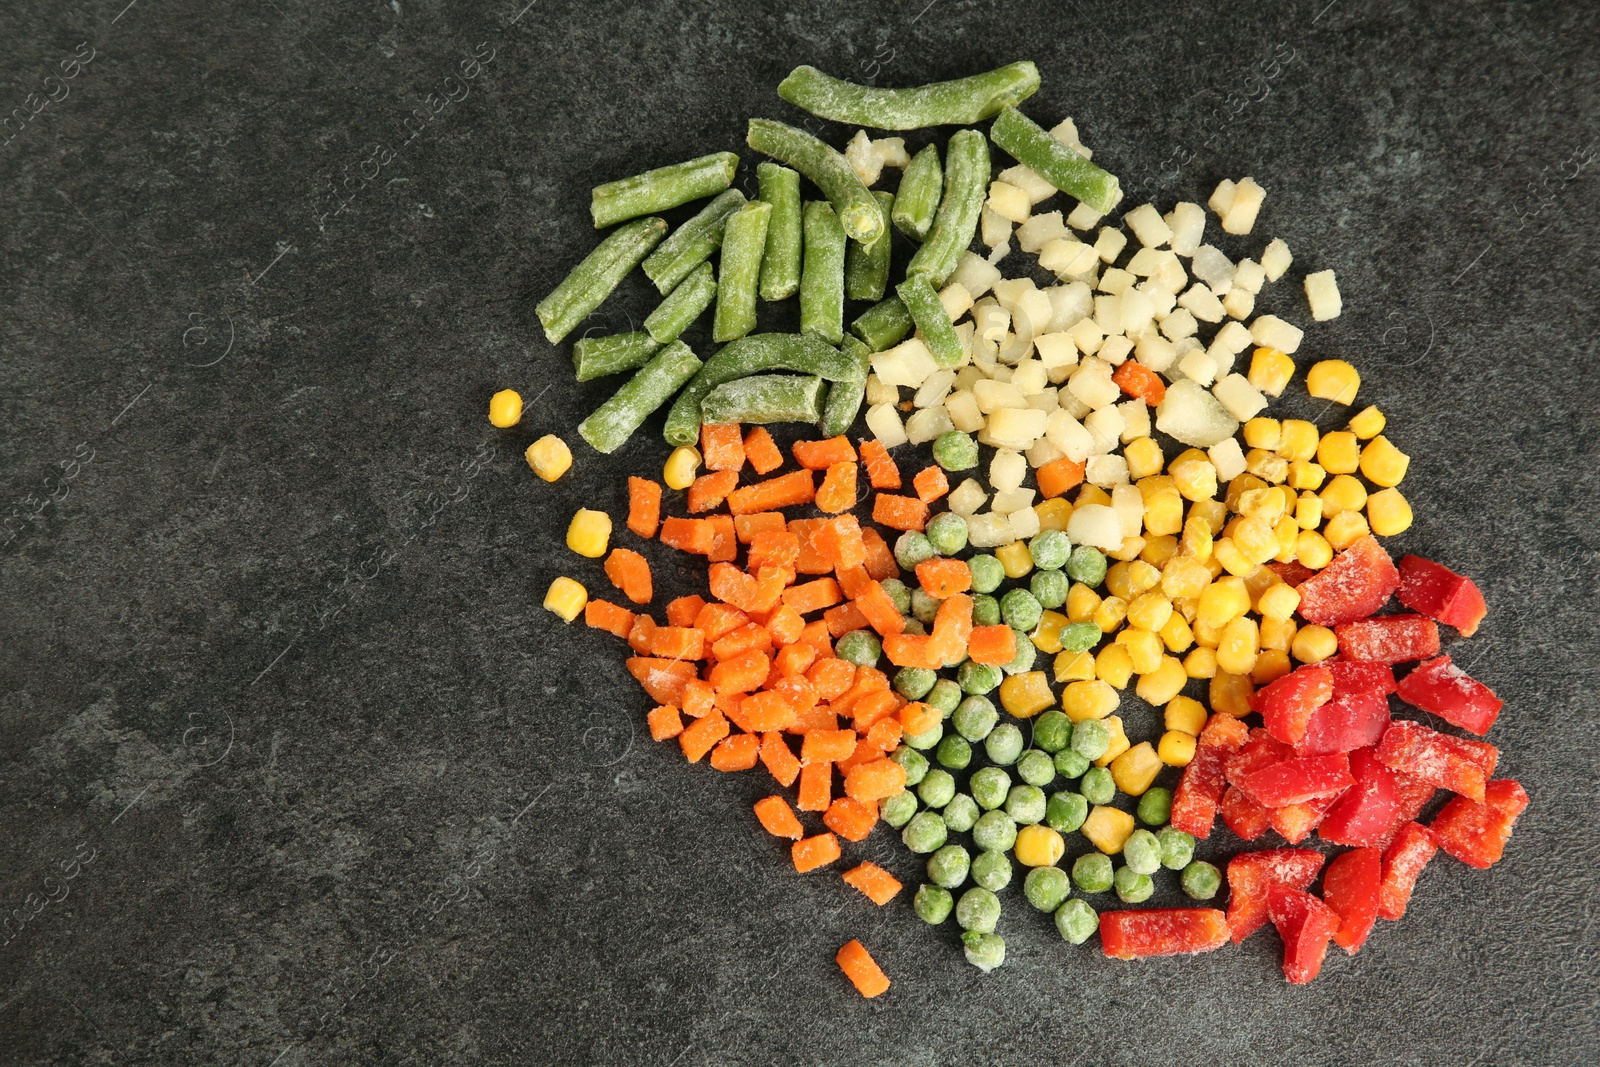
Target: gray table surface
<point>275,687</point>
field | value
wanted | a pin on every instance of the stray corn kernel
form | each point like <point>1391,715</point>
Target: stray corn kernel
<point>1015,559</point>
<point>1304,474</point>
<point>1136,769</point>
<point>1342,493</point>
<point>1312,550</point>
<point>1201,662</point>
<point>1090,699</point>
<point>1144,648</point>
<point>1277,633</point>
<point>1176,634</point>
<point>1279,602</point>
<point>1082,603</point>
<point>1232,694</point>
<point>1333,379</point>
<point>1262,432</point>
<point>1185,715</point>
<point>1053,514</point>
<point>1046,636</point>
<point>1345,529</point>
<point>505,408</point>
<point>1162,684</point>
<point>1239,646</point>
<point>1384,464</point>
<point>681,467</point>
<point>1339,452</point>
<point>1108,829</point>
<point>1109,616</point>
<point>1270,371</point>
<point>1076,667</point>
<point>1039,846</point>
<point>1143,456</point>
<point>1271,664</point>
<point>1313,644</point>
<point>549,457</point>
<point>1027,694</point>
<point>1388,512</point>
<point>1297,439</point>
<point>1176,749</point>
<point>589,533</point>
<point>1119,741</point>
<point>566,598</point>
<point>1113,666</point>
<point>1368,422</point>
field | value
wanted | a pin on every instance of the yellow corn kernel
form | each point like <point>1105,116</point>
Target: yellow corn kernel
<point>1082,603</point>
<point>1119,741</point>
<point>1339,452</point>
<point>1128,550</point>
<point>1223,601</point>
<point>1144,648</point>
<point>1092,494</point>
<point>1184,578</point>
<point>1232,694</point>
<point>1239,646</point>
<point>1287,532</point>
<point>679,470</point>
<point>1237,488</point>
<point>1014,558</point>
<point>549,457</point>
<point>589,533</point>
<point>1368,422</point>
<point>1158,550</point>
<point>1117,581</point>
<point>1388,512</point>
<point>1270,370</point>
<point>1142,576</point>
<point>1027,694</point>
<point>1304,474</point>
<point>1046,637</point>
<point>1136,769</point>
<point>1176,634</point>
<point>1089,699</point>
<point>1039,846</point>
<point>1297,439</point>
<point>1212,512</point>
<point>1149,611</point>
<point>566,598</point>
<point>1206,635</point>
<point>1194,475</point>
<point>1163,512</point>
<point>1053,514</point>
<point>1346,528</point>
<point>1308,511</point>
<point>1333,379</point>
<point>1277,633</point>
<point>1279,602</point>
<point>1271,664</point>
<point>1201,663</point>
<point>1313,644</point>
<point>1197,537</point>
<point>1162,684</point>
<point>1231,558</point>
<point>1342,494</point>
<point>1214,568</point>
<point>1187,606</point>
<point>1186,715</point>
<point>1266,466</point>
<point>1262,432</point>
<point>1175,749</point>
<point>1255,539</point>
<point>1108,829</point>
<point>505,408</point>
<point>1109,615</point>
<point>1143,456</point>
<point>1258,581</point>
<point>1384,464</point>
<point>1114,666</point>
<point>1313,550</point>
<point>1074,667</point>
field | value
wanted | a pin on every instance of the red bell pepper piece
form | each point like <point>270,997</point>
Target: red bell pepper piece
<point>1389,638</point>
<point>1354,676</point>
<point>1306,925</point>
<point>1452,763</point>
<point>1288,703</point>
<point>1295,780</point>
<point>1127,935</point>
<point>1251,876</point>
<point>1295,822</point>
<point>1413,846</point>
<point>1365,815</point>
<point>1357,583</point>
<point>1411,795</point>
<point>1199,792</point>
<point>1293,573</point>
<point>1345,724</point>
<point>1350,887</point>
<point>1449,692</point>
<point>1262,750</point>
<point>1476,834</point>
<point>1440,593</point>
<point>1247,819</point>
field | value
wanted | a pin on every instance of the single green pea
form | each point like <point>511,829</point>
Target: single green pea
<point>937,788</point>
<point>1098,787</point>
<point>1020,609</point>
<point>1049,550</point>
<point>1036,767</point>
<point>1052,731</point>
<point>1046,888</point>
<point>1090,739</point>
<point>1132,887</point>
<point>987,573</point>
<point>913,683</point>
<point>1026,804</point>
<point>860,647</point>
<point>914,763</point>
<point>924,833</point>
<point>977,678</point>
<point>1087,565</point>
<point>994,831</point>
<point>923,607</point>
<point>975,717</point>
<point>1049,588</point>
<point>961,813</point>
<point>1200,880</point>
<point>989,786</point>
<point>914,626</point>
<point>978,909</point>
<point>1092,872</point>
<point>985,950</point>
<point>1004,744</point>
<point>1065,812</point>
<point>899,593</point>
<point>992,870</point>
<point>1142,852</point>
<point>1155,807</point>
<point>925,741</point>
<point>933,904</point>
<point>955,451</point>
<point>985,610</point>
<point>1070,764</point>
<point>1076,921</point>
<point>948,533</point>
<point>912,548</point>
<point>898,809</point>
<point>954,752</point>
<point>1079,636</point>
<point>1026,654</point>
<point>1177,848</point>
<point>944,695</point>
<point>948,866</point>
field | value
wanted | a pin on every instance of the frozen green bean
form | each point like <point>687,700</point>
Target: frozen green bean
<point>593,280</point>
<point>692,243</point>
<point>828,170</point>
<point>613,422</point>
<point>883,325</point>
<point>960,102</point>
<point>927,311</point>
<point>917,199</point>
<point>866,266</point>
<point>845,397</point>
<point>744,239</point>
<point>754,354</point>
<point>966,183</point>
<point>613,353</point>
<point>1030,143</point>
<point>822,276</point>
<point>683,305</point>
<point>780,263</point>
<point>765,398</point>
<point>662,189</point>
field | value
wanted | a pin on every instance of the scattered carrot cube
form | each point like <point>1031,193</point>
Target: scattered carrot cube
<point>878,884</point>
<point>702,735</point>
<point>820,455</point>
<point>762,451</point>
<point>775,548</point>
<point>778,819</point>
<point>839,541</point>
<point>827,746</point>
<point>644,506</point>
<point>747,526</point>
<point>688,535</point>
<point>862,970</point>
<point>630,573</point>
<point>816,786</point>
<point>612,618</point>
<point>780,761</point>
<point>710,490</point>
<point>663,679</point>
<point>767,710</point>
<point>993,645</point>
<point>838,490</point>
<point>899,512</point>
<point>664,722</point>
<point>678,642</point>
<point>721,446</point>
<point>930,484</point>
<point>736,753</point>
<point>880,557</point>
<point>881,469</point>
<point>942,578</point>
<point>872,782</point>
<point>684,610</point>
<point>850,819</point>
<point>724,545</point>
<point>813,852</point>
<point>786,490</point>
<point>1056,477</point>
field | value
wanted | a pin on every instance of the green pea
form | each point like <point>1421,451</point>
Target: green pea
<point>912,548</point>
<point>975,717</point>
<point>1020,609</point>
<point>1098,787</point>
<point>1065,812</point>
<point>1087,565</point>
<point>1155,807</point>
<point>1049,588</point>
<point>992,870</point>
<point>944,695</point>
<point>914,763</point>
<point>985,610</point>
<point>1052,731</point>
<point>1070,764</point>
<point>961,813</point>
<point>933,904</point>
<point>924,833</point>
<point>1076,921</point>
<point>913,683</point>
<point>860,647</point>
<point>1090,739</point>
<point>1177,848</point>
<point>1004,744</point>
<point>985,950</point>
<point>923,607</point>
<point>954,752</point>
<point>1200,880</point>
<point>1036,767</point>
<point>987,573</point>
<point>914,626</point>
<point>989,786</point>
<point>948,866</point>
<point>937,788</point>
<point>927,740</point>
<point>1026,653</point>
<point>1049,550</point>
<point>955,451</point>
<point>1132,887</point>
<point>995,831</point>
<point>1025,804</point>
<point>1079,636</point>
<point>977,678</point>
<point>898,809</point>
<point>899,593</point>
<point>1142,852</point>
<point>948,532</point>
<point>1092,872</point>
<point>1046,888</point>
<point>978,909</point>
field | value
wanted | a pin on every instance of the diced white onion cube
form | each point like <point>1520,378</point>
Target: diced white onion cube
<point>1249,276</point>
<point>1200,302</point>
<point>1243,400</point>
<point>992,320</point>
<point>994,229</point>
<point>1191,415</point>
<point>1188,224</point>
<point>1161,298</point>
<point>1135,419</point>
<point>1068,303</point>
<point>1024,523</point>
<point>1040,230</point>
<point>1083,217</point>
<point>1109,243</point>
<point>1007,470</point>
<point>934,389</point>
<point>1009,202</point>
<point>1146,263</point>
<point>962,407</point>
<point>1273,332</point>
<point>1069,435</point>
<point>975,275</point>
<point>884,422</point>
<point>1029,181</point>
<point>994,395</point>
<point>1016,427</point>
<point>1116,281</point>
<point>1055,350</point>
<point>1222,197</point>
<point>1148,226</point>
<point>1275,259</point>
<point>1045,399</point>
<point>1005,501</point>
<point>999,252</point>
<point>1043,451</point>
<point>1105,422</point>
<point>1066,257</point>
<point>988,530</point>
<point>1213,268</point>
<point>1128,503</point>
<point>1087,336</point>
<point>1240,218</point>
<point>1108,313</point>
<point>927,423</point>
<point>907,363</point>
<point>1322,293</point>
<point>1155,352</point>
<point>1178,325</point>
<point>1092,384</point>
<point>1228,458</point>
<point>1198,367</point>
<point>1028,377</point>
<point>1171,274</point>
<point>1114,349</point>
<point>1097,525</point>
<point>1034,308</point>
<point>1239,303</point>
<point>968,497</point>
<point>880,391</point>
<point>956,300</point>
<point>1137,311</point>
<point>1234,336</point>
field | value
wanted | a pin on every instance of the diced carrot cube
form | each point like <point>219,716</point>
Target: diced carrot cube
<point>778,548</point>
<point>862,970</point>
<point>885,734</point>
<point>678,642</point>
<point>810,560</point>
<point>742,674</point>
<point>952,626</point>
<point>644,506</point>
<point>817,635</point>
<point>716,620</point>
<point>872,782</point>
<point>688,535</point>
<point>1058,476</point>
<point>930,484</point>
<point>827,746</point>
<point>850,819</point>
<point>641,633</point>
<point>911,650</point>
<point>797,691</point>
<point>684,610</point>
<point>878,884</point>
<point>741,640</point>
<point>710,490</point>
<point>630,573</point>
<point>663,679</point>
<point>698,698</point>
<point>766,710</point>
<point>702,735</point>
<point>868,709</point>
<point>786,490</point>
<point>817,717</point>
<point>838,490</point>
<point>813,852</point>
<point>941,578</point>
<point>736,753</point>
<point>747,526</point>
<point>724,545</point>
<point>778,818</point>
<point>785,625</point>
<point>899,512</point>
<point>1140,381</point>
<point>844,618</point>
<point>878,608</point>
<point>812,596</point>
<point>880,558</point>
<point>820,455</point>
<point>816,786</point>
<point>853,581</point>
<point>918,718</point>
<point>831,677</point>
<point>779,760</point>
<point>840,543</point>
<point>795,659</point>
<point>664,722</point>
<point>731,585</point>
<point>612,618</point>
<point>762,451</point>
<point>993,645</point>
<point>881,469</point>
<point>721,446</point>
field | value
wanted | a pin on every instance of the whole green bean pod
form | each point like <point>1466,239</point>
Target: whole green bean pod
<point>692,243</point>
<point>822,278</point>
<point>596,357</point>
<point>593,280</point>
<point>743,241</point>
<point>866,267</point>
<point>927,311</point>
<point>754,354</point>
<point>662,189</point>
<point>917,199</point>
<point>828,170</point>
<point>844,397</point>
<point>883,325</point>
<point>683,305</point>
<point>765,398</point>
<point>961,102</point>
<point>780,263</point>
<point>612,423</point>
<point>966,183</point>
<point>1030,143</point>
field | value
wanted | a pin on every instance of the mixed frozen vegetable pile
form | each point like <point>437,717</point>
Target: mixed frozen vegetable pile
<point>965,683</point>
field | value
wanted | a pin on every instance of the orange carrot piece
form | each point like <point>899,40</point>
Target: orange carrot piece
<point>930,484</point>
<point>766,711</point>
<point>794,659</point>
<point>816,786</point>
<point>702,735</point>
<point>831,677</point>
<point>721,446</point>
<point>710,490</point>
<point>879,609</point>
<point>827,746</point>
<point>838,490</point>
<point>664,722</point>
<point>952,626</point>
<point>747,526</point>
<point>880,558</point>
<point>881,469</point>
<point>612,618</point>
<point>684,610</point>
<point>779,760</point>
<point>724,546</point>
<point>762,451</point>
<point>868,709</point>
<point>776,548</point>
<point>878,884</point>
<point>809,561</point>
<point>918,718</point>
<point>885,734</point>
<point>816,717</point>
<point>912,650</point>
<point>813,596</point>
<point>786,490</point>
<point>731,585</point>
<point>663,679</point>
<point>994,645</point>
<point>741,640</point>
<point>770,584</point>
<point>785,625</point>
<point>862,970</point>
<point>872,782</point>
<point>630,572</point>
<point>797,691</point>
<point>1135,379</point>
<point>644,506</point>
<point>736,753</point>
<point>844,618</point>
<point>816,635</point>
<point>813,852</point>
<point>641,633</point>
<point>850,819</point>
<point>853,581</point>
<point>820,455</point>
<point>941,578</point>
<point>715,620</point>
<point>742,674</point>
<point>840,543</point>
<point>678,642</point>
<point>778,818</point>
<point>688,535</point>
<point>698,699</point>
<point>1058,476</point>
<point>899,512</point>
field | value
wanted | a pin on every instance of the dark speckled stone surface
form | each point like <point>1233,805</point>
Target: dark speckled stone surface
<point>275,689</point>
